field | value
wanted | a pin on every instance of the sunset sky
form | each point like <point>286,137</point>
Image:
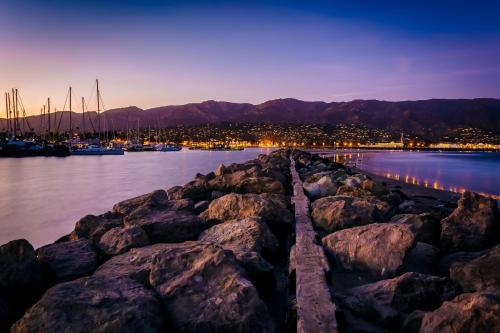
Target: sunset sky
<point>152,53</point>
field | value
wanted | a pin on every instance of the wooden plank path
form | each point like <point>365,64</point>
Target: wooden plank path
<point>315,308</point>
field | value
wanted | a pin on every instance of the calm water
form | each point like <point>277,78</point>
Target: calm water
<point>42,198</point>
<point>452,171</point>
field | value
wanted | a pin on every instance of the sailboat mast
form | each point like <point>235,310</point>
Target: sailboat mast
<point>70,111</point>
<point>83,114</point>
<point>17,112</point>
<point>48,112</point>
<point>14,109</point>
<point>42,128</point>
<point>41,119</point>
<point>98,109</point>
<point>7,111</point>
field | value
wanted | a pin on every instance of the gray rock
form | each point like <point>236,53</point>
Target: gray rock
<point>120,240</point>
<point>156,198</point>
<point>426,228</point>
<point>422,258</point>
<point>69,260</point>
<point>197,190</point>
<point>20,271</point>
<point>323,187</point>
<point>134,264</point>
<point>479,274</point>
<point>93,227</point>
<point>204,290</point>
<point>475,312</point>
<point>94,304</point>
<point>388,302</point>
<point>271,207</point>
<point>167,226</point>
<point>243,235</point>
<point>378,249</point>
<point>473,225</point>
<point>21,281</point>
<point>340,212</point>
<point>375,188</point>
<point>457,257</point>
<point>259,185</point>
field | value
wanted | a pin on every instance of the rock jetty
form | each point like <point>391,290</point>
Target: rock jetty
<point>287,242</point>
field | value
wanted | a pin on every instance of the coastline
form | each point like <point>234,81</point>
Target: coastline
<point>251,246</point>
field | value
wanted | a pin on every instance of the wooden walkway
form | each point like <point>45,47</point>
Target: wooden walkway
<point>315,309</point>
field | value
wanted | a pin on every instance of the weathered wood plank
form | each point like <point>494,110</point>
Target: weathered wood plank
<point>315,309</point>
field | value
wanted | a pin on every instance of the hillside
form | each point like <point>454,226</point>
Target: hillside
<point>415,116</point>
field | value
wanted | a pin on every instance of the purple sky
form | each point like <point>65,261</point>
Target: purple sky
<point>152,53</point>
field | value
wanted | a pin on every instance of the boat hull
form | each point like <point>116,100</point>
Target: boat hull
<point>59,151</point>
<point>97,153</point>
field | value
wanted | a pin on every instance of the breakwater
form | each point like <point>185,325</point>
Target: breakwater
<point>286,242</point>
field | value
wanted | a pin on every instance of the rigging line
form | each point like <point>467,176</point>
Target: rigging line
<point>42,115</point>
<point>102,103</point>
<point>92,92</point>
<point>25,118</point>
<point>90,118</point>
<point>62,112</point>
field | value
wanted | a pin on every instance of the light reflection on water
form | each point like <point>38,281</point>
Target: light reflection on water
<point>42,198</point>
<point>451,171</point>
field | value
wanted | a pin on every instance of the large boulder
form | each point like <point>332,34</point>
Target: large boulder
<point>337,176</point>
<point>375,188</point>
<point>21,280</point>
<point>165,225</point>
<point>271,207</point>
<point>320,188</point>
<point>475,312</point>
<point>355,180</point>
<point>204,290</point>
<point>340,212</point>
<point>249,239</point>
<point>426,228</point>
<point>196,190</point>
<point>243,235</point>
<point>446,261</point>
<point>94,304</point>
<point>260,185</point>
<point>120,240</point>
<point>93,227</point>
<point>154,199</point>
<point>482,273</point>
<point>377,249</point>
<point>20,272</point>
<point>473,225</point>
<point>69,260</point>
<point>422,258</point>
<point>134,264</point>
<point>353,191</point>
<point>388,302</point>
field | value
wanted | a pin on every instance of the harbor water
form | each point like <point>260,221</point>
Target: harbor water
<point>41,198</point>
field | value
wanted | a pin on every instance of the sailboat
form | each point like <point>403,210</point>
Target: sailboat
<point>96,149</point>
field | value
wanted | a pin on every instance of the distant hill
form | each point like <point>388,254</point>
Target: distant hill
<point>414,116</point>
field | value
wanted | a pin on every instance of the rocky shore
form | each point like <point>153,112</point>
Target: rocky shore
<point>286,242</point>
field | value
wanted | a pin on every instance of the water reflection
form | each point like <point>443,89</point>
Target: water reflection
<point>451,171</point>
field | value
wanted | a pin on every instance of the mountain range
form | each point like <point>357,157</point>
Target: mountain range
<point>414,116</point>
